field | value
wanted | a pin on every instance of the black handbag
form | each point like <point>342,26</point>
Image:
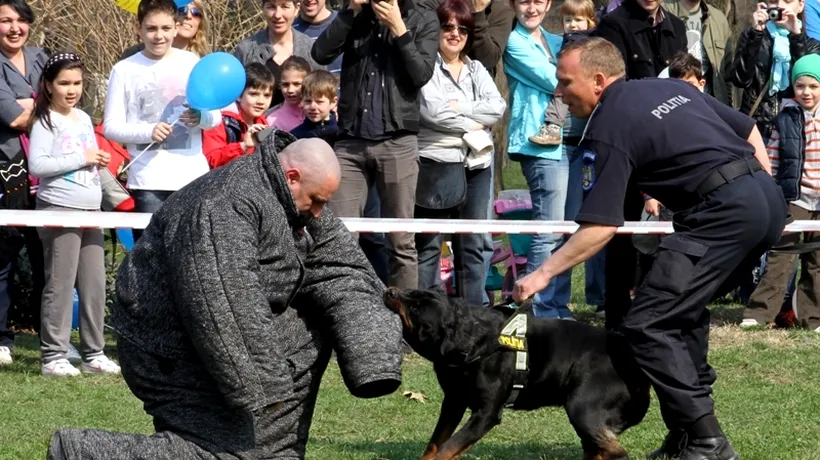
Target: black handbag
<point>441,186</point>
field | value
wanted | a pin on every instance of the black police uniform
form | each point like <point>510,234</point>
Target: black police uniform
<point>690,152</point>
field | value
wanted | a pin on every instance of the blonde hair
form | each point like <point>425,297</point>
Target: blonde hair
<point>581,8</point>
<point>320,83</point>
<point>199,42</point>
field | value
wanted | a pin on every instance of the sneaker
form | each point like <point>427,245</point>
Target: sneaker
<point>100,365</point>
<point>5,356</point>
<point>548,134</point>
<point>59,368</point>
<point>600,312</point>
<point>817,330</point>
<point>73,355</point>
<point>748,322</point>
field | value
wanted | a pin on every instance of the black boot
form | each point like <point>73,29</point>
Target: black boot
<point>707,442</point>
<point>673,445</point>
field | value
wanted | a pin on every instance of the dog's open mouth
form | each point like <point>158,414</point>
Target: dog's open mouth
<point>393,301</point>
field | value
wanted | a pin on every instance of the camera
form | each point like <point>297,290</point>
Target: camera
<point>775,14</point>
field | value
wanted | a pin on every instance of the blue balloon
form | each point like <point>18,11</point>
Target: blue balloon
<point>216,81</point>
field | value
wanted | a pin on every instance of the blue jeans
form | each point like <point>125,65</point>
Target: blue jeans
<point>468,248</point>
<point>547,181</point>
<point>594,267</point>
<point>148,201</point>
<point>373,244</point>
<point>488,238</point>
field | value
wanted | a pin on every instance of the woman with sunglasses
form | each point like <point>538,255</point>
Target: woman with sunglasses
<point>192,33</point>
<point>459,105</point>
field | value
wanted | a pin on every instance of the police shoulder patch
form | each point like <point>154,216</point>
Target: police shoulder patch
<point>588,170</point>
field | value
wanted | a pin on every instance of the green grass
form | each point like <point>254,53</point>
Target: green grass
<point>767,397</point>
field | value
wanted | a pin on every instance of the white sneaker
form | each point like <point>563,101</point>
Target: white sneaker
<point>100,365</point>
<point>5,356</point>
<point>73,355</point>
<point>748,322</point>
<point>60,368</point>
<point>817,330</point>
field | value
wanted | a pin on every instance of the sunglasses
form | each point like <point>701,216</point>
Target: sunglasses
<point>184,10</point>
<point>462,30</point>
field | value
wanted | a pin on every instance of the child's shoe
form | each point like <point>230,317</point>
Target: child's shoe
<point>548,134</point>
<point>100,365</point>
<point>59,368</point>
<point>5,356</point>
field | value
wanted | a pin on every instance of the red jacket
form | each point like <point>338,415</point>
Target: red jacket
<point>118,157</point>
<point>215,144</point>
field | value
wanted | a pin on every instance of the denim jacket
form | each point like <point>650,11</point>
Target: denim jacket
<point>530,71</point>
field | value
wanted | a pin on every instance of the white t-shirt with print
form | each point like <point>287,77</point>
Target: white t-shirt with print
<point>143,92</point>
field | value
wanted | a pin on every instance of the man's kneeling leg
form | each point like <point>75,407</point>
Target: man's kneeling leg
<point>82,444</point>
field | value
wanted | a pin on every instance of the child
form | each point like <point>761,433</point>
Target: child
<point>65,157</point>
<point>318,104</point>
<point>146,111</point>
<point>578,18</point>
<point>235,136</point>
<point>794,150</point>
<point>686,67</point>
<point>288,114</point>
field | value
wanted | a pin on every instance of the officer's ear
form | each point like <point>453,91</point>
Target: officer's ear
<point>600,82</point>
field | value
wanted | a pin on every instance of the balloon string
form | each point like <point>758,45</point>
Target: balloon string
<point>134,160</point>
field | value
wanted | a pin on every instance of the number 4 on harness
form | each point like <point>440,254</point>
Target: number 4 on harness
<point>514,337</point>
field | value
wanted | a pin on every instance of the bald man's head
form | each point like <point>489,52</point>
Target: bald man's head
<point>312,172</point>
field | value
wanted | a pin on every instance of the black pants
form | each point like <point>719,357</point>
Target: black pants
<point>621,265</point>
<point>714,243</point>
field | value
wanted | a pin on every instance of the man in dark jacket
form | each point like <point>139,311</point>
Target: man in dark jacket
<point>229,305</point>
<point>389,51</point>
<point>648,37</point>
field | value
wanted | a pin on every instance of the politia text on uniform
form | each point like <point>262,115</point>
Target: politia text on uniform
<point>669,105</point>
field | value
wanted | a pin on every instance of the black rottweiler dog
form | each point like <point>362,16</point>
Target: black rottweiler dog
<point>587,370</point>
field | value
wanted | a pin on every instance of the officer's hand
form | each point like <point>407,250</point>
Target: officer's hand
<point>652,207</point>
<point>527,286</point>
<point>760,17</point>
<point>790,22</point>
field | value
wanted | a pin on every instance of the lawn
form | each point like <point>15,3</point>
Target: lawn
<point>767,398</point>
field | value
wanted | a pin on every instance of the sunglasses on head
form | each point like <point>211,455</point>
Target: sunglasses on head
<point>462,30</point>
<point>184,10</point>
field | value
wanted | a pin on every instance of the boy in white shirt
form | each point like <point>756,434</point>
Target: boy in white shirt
<point>146,104</point>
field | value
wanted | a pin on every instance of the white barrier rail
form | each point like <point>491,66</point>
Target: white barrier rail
<point>81,219</point>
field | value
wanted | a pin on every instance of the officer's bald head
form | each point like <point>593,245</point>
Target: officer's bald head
<point>312,172</point>
<point>585,69</point>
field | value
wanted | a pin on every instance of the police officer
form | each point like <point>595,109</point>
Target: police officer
<point>707,163</point>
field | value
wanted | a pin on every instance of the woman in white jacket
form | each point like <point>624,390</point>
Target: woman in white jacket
<point>459,105</point>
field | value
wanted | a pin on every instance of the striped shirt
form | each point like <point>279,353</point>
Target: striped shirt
<point>810,180</point>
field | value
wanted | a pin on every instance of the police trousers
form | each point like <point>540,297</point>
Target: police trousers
<point>714,244</point>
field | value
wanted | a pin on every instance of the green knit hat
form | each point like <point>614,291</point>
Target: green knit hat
<point>807,65</point>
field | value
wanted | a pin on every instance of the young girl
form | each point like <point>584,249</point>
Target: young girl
<point>288,114</point>
<point>64,156</point>
<point>578,18</point>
